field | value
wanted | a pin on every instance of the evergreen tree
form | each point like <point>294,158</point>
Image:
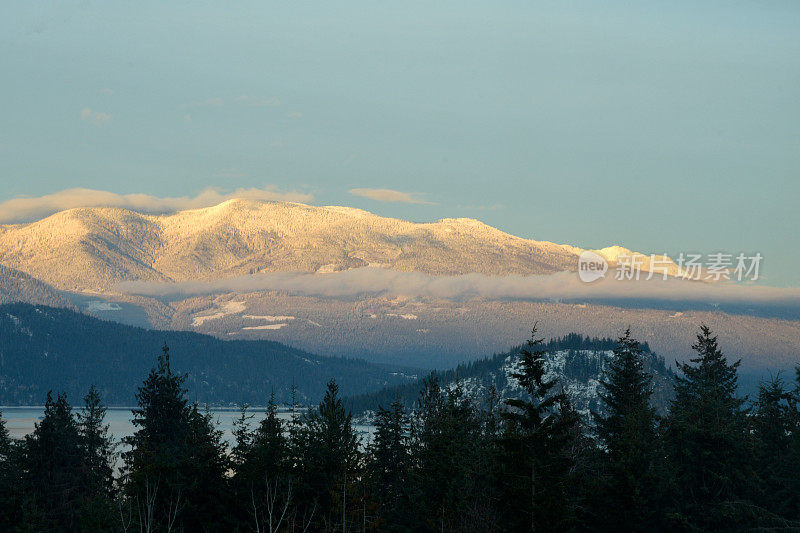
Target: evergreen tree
<point>54,472</point>
<point>5,445</point>
<point>450,482</point>
<point>98,446</point>
<point>270,449</point>
<point>204,474</point>
<point>175,469</point>
<point>535,444</point>
<point>294,426</point>
<point>98,456</point>
<point>707,442</point>
<point>452,464</point>
<point>243,438</point>
<point>777,455</point>
<point>577,458</point>
<point>328,460</point>
<point>628,432</point>
<point>9,502</point>
<point>5,461</point>
<point>263,476</point>
<point>154,484</point>
<point>389,461</point>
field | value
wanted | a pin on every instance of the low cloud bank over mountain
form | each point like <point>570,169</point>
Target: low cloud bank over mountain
<point>18,210</point>
<point>379,281</point>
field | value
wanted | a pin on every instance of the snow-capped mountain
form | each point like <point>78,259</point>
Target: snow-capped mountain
<point>93,249</point>
<point>86,253</point>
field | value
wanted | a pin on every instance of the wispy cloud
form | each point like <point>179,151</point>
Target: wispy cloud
<point>356,283</point>
<point>97,118</point>
<point>107,90</point>
<point>390,195</point>
<point>19,210</point>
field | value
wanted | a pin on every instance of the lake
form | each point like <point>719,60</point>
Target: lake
<point>20,421</point>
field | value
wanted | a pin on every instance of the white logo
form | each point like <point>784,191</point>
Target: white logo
<point>591,266</point>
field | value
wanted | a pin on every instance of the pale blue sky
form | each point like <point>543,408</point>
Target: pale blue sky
<point>669,126</point>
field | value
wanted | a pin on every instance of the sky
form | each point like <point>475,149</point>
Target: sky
<point>662,126</point>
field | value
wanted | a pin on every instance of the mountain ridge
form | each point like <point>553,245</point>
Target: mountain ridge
<point>43,348</point>
<point>16,286</point>
<point>95,248</point>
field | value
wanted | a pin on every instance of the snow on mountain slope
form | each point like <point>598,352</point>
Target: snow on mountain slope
<point>576,364</point>
<point>84,249</point>
<point>447,332</point>
<point>92,249</point>
<point>579,372</point>
<point>16,286</point>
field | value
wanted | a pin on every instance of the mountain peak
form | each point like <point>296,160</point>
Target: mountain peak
<point>93,249</point>
<point>464,221</point>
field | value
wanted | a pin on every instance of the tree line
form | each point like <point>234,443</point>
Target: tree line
<point>530,463</point>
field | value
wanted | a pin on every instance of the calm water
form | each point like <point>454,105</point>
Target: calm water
<point>20,421</point>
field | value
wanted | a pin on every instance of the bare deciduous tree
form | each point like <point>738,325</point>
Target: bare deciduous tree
<point>173,510</point>
<point>146,509</point>
<point>274,513</point>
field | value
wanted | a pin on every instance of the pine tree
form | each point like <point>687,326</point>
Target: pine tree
<point>294,426</point>
<point>154,483</point>
<point>534,462</point>
<point>9,502</point>
<point>55,476</point>
<point>628,431</point>
<point>175,469</point>
<point>204,475</point>
<point>98,456</point>
<point>776,428</point>
<point>576,459</point>
<point>707,441</point>
<point>450,485</point>
<point>262,478</point>
<point>389,460</point>
<point>5,444</point>
<point>329,456</point>
<point>5,457</point>
<point>98,446</point>
<point>243,438</point>
<point>270,449</point>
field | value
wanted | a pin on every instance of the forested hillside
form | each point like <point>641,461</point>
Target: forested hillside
<point>43,348</point>
<point>576,361</point>
<point>16,286</point>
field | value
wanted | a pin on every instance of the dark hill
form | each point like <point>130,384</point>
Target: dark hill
<point>577,362</point>
<point>43,348</point>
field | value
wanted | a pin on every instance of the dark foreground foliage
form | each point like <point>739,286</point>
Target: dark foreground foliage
<point>531,463</point>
